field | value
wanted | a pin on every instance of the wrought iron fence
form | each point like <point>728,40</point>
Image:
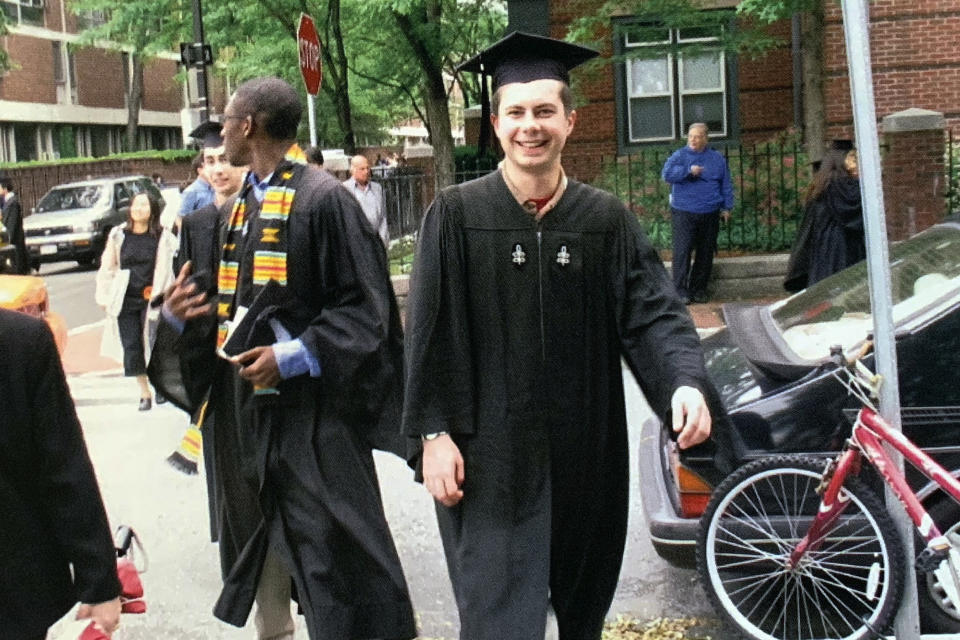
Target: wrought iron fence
<point>769,181</point>
<point>952,166</point>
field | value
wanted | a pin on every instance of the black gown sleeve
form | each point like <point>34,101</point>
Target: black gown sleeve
<point>356,337</point>
<point>659,340</point>
<point>70,497</point>
<point>657,336</point>
<point>440,387</point>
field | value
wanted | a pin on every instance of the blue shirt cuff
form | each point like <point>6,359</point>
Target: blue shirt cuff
<point>293,359</point>
<point>172,320</point>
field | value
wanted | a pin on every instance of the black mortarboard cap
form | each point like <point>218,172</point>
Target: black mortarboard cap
<point>208,134</point>
<point>842,145</point>
<point>522,57</point>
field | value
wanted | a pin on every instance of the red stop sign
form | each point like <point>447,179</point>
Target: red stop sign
<point>308,44</point>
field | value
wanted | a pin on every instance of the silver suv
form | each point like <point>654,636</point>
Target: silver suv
<point>71,221</point>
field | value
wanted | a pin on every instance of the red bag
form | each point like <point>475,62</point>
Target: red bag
<point>131,587</point>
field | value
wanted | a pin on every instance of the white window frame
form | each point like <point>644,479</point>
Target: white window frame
<point>30,4</point>
<point>675,91</point>
<point>681,92</point>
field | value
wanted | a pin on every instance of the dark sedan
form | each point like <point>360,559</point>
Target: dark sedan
<point>767,365</point>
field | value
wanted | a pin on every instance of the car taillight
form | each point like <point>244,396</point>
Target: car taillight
<point>693,492</point>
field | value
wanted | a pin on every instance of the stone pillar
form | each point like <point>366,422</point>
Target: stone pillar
<point>913,171</point>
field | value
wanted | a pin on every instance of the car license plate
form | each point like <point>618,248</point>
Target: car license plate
<point>48,249</point>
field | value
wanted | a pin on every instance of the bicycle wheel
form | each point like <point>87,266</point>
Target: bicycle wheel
<point>846,589</point>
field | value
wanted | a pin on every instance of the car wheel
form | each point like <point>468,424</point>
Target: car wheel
<point>35,265</point>
<point>937,613</point>
<point>846,587</point>
<point>89,261</point>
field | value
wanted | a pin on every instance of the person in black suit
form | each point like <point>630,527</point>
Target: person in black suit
<point>13,221</point>
<point>55,543</point>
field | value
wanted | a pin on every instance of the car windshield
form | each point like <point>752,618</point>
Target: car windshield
<point>924,270</point>
<point>64,198</point>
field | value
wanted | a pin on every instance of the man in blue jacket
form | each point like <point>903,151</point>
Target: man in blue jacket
<point>700,195</point>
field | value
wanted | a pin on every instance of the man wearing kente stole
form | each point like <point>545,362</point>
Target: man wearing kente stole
<point>314,386</point>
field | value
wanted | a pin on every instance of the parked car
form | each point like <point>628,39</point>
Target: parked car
<point>28,294</point>
<point>768,366</point>
<point>71,221</point>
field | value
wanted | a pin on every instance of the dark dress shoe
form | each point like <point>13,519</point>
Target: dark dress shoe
<point>700,297</point>
<point>145,404</point>
<point>161,399</point>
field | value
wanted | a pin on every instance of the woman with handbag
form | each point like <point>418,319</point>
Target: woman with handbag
<point>137,260</point>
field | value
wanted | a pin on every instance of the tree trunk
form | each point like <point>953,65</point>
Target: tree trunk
<point>335,72</point>
<point>134,100</point>
<point>435,92</point>
<point>438,124</point>
<point>814,109</point>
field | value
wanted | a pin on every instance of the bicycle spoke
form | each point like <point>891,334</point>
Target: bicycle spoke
<point>768,535</point>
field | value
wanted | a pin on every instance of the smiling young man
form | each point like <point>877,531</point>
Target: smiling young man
<point>527,290</point>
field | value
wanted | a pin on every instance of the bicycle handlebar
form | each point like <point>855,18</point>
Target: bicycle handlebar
<point>837,357</point>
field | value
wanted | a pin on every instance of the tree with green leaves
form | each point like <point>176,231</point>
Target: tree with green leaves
<point>141,29</point>
<point>410,48</point>
<point>5,64</point>
<point>383,61</point>
<point>744,30</point>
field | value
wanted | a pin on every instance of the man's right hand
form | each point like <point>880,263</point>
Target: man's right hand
<point>443,470</point>
<point>695,170</point>
<point>106,615</point>
<point>182,299</point>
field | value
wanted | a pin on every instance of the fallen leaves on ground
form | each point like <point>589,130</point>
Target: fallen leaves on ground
<point>658,629</point>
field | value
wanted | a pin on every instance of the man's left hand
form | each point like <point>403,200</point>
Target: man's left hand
<point>259,367</point>
<point>691,417</point>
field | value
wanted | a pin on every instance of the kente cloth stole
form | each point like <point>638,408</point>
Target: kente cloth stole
<point>270,252</point>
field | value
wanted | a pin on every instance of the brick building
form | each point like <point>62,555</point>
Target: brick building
<point>62,101</point>
<point>916,64</point>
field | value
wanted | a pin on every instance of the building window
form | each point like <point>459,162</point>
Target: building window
<point>664,92</point>
<point>24,11</point>
<point>90,19</point>
<point>7,144</point>
<point>64,73</point>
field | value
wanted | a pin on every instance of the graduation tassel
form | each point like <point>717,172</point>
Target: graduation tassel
<point>484,118</point>
<point>187,453</point>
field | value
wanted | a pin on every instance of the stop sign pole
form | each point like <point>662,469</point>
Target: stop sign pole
<point>308,47</point>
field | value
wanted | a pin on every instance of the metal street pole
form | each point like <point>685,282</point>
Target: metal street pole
<point>312,119</point>
<point>200,64</point>
<point>856,31</point>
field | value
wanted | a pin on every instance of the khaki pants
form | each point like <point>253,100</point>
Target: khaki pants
<point>272,617</point>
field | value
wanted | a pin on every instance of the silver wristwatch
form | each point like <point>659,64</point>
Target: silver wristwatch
<point>433,436</point>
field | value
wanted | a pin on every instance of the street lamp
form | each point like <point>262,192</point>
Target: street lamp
<point>198,55</point>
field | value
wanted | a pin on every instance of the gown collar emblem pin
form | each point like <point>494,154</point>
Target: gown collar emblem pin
<point>519,255</point>
<point>563,258</point>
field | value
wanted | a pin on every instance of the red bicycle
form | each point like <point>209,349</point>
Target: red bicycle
<point>792,549</point>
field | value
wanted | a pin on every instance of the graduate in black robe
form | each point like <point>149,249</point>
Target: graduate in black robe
<point>55,542</point>
<point>518,317</point>
<point>302,443</point>
<point>831,234</point>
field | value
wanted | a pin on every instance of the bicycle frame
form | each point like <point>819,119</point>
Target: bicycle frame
<point>870,431</point>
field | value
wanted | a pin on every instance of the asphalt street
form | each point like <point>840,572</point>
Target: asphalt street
<point>168,509</point>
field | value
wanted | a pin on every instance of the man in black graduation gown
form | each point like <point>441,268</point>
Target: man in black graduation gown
<point>317,386</point>
<point>527,289</point>
<point>201,240</point>
<point>55,543</point>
